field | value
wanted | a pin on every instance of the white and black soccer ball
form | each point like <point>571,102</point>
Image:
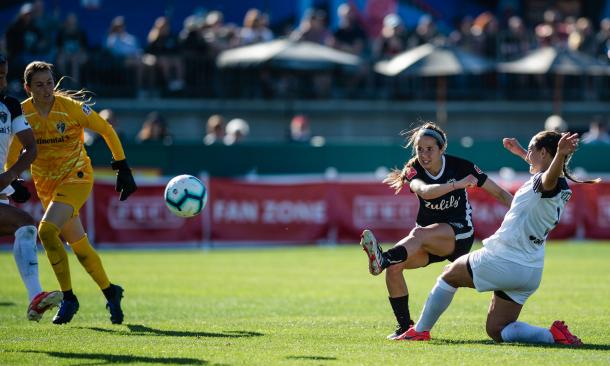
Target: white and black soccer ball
<point>185,195</point>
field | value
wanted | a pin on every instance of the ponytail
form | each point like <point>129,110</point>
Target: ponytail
<point>566,172</point>
<point>396,178</point>
<point>83,95</point>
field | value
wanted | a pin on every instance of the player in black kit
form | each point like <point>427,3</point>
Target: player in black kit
<point>444,228</point>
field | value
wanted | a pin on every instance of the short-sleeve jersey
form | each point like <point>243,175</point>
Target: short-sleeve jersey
<point>62,157</point>
<point>452,206</point>
<point>12,122</point>
<point>532,215</point>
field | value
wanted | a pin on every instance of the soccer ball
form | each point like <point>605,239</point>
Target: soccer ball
<point>185,196</point>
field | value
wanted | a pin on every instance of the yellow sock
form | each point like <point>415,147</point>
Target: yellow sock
<point>49,236</point>
<point>91,261</point>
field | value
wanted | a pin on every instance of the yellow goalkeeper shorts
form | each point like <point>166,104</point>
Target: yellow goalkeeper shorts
<point>73,194</point>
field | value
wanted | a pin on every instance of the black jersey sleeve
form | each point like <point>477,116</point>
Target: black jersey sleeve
<point>468,167</point>
<point>13,105</point>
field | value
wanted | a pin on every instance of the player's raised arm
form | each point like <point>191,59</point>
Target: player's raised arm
<point>565,147</point>
<point>511,144</point>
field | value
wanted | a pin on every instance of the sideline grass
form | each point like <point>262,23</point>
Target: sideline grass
<point>293,306</point>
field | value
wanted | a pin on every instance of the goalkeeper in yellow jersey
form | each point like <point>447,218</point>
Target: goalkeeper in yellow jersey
<point>63,178</point>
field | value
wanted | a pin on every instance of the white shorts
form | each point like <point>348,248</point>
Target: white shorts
<point>491,273</point>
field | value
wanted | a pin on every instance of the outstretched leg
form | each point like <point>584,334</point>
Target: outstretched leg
<point>502,325</point>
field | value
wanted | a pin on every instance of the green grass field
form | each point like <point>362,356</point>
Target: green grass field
<point>293,306</point>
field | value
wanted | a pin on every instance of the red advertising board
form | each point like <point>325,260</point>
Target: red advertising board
<point>366,205</point>
<point>268,212</point>
<point>142,219</point>
<point>594,204</point>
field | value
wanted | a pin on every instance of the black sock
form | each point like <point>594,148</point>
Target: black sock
<point>400,306</point>
<point>69,295</point>
<point>108,292</point>
<point>396,254</point>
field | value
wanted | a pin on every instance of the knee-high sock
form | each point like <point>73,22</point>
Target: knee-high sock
<point>49,236</point>
<point>91,261</point>
<point>400,306</point>
<point>523,332</point>
<point>438,301</point>
<point>26,257</point>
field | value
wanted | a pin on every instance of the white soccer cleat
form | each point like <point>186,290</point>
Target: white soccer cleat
<point>43,302</point>
<point>373,252</point>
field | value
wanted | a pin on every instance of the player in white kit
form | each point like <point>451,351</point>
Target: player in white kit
<point>511,261</point>
<point>14,221</point>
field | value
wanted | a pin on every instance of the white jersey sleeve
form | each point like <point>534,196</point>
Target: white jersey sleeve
<point>20,124</point>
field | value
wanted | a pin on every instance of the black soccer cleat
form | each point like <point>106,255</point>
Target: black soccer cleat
<point>114,305</point>
<point>67,309</point>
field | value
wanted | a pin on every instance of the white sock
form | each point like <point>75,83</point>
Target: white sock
<point>438,301</point>
<point>525,333</point>
<point>26,257</point>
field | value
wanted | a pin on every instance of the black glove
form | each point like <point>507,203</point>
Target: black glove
<point>21,193</point>
<point>124,180</point>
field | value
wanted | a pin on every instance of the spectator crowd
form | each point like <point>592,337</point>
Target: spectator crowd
<point>180,62</point>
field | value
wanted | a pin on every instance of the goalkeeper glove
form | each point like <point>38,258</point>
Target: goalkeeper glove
<point>124,180</point>
<point>21,193</point>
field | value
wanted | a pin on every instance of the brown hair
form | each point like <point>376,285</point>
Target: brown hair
<point>549,140</point>
<point>33,67</point>
<point>397,177</point>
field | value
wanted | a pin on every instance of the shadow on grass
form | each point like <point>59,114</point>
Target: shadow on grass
<point>135,329</point>
<point>108,358</point>
<point>596,347</point>
<point>7,303</point>
<point>313,358</point>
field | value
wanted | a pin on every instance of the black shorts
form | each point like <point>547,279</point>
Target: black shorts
<point>464,238</point>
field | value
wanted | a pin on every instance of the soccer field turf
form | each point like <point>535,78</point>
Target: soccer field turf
<point>293,306</point>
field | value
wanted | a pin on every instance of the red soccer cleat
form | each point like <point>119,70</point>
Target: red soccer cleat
<point>562,335</point>
<point>43,302</point>
<point>413,335</point>
<point>399,331</point>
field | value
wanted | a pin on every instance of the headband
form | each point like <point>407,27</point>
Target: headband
<point>432,133</point>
